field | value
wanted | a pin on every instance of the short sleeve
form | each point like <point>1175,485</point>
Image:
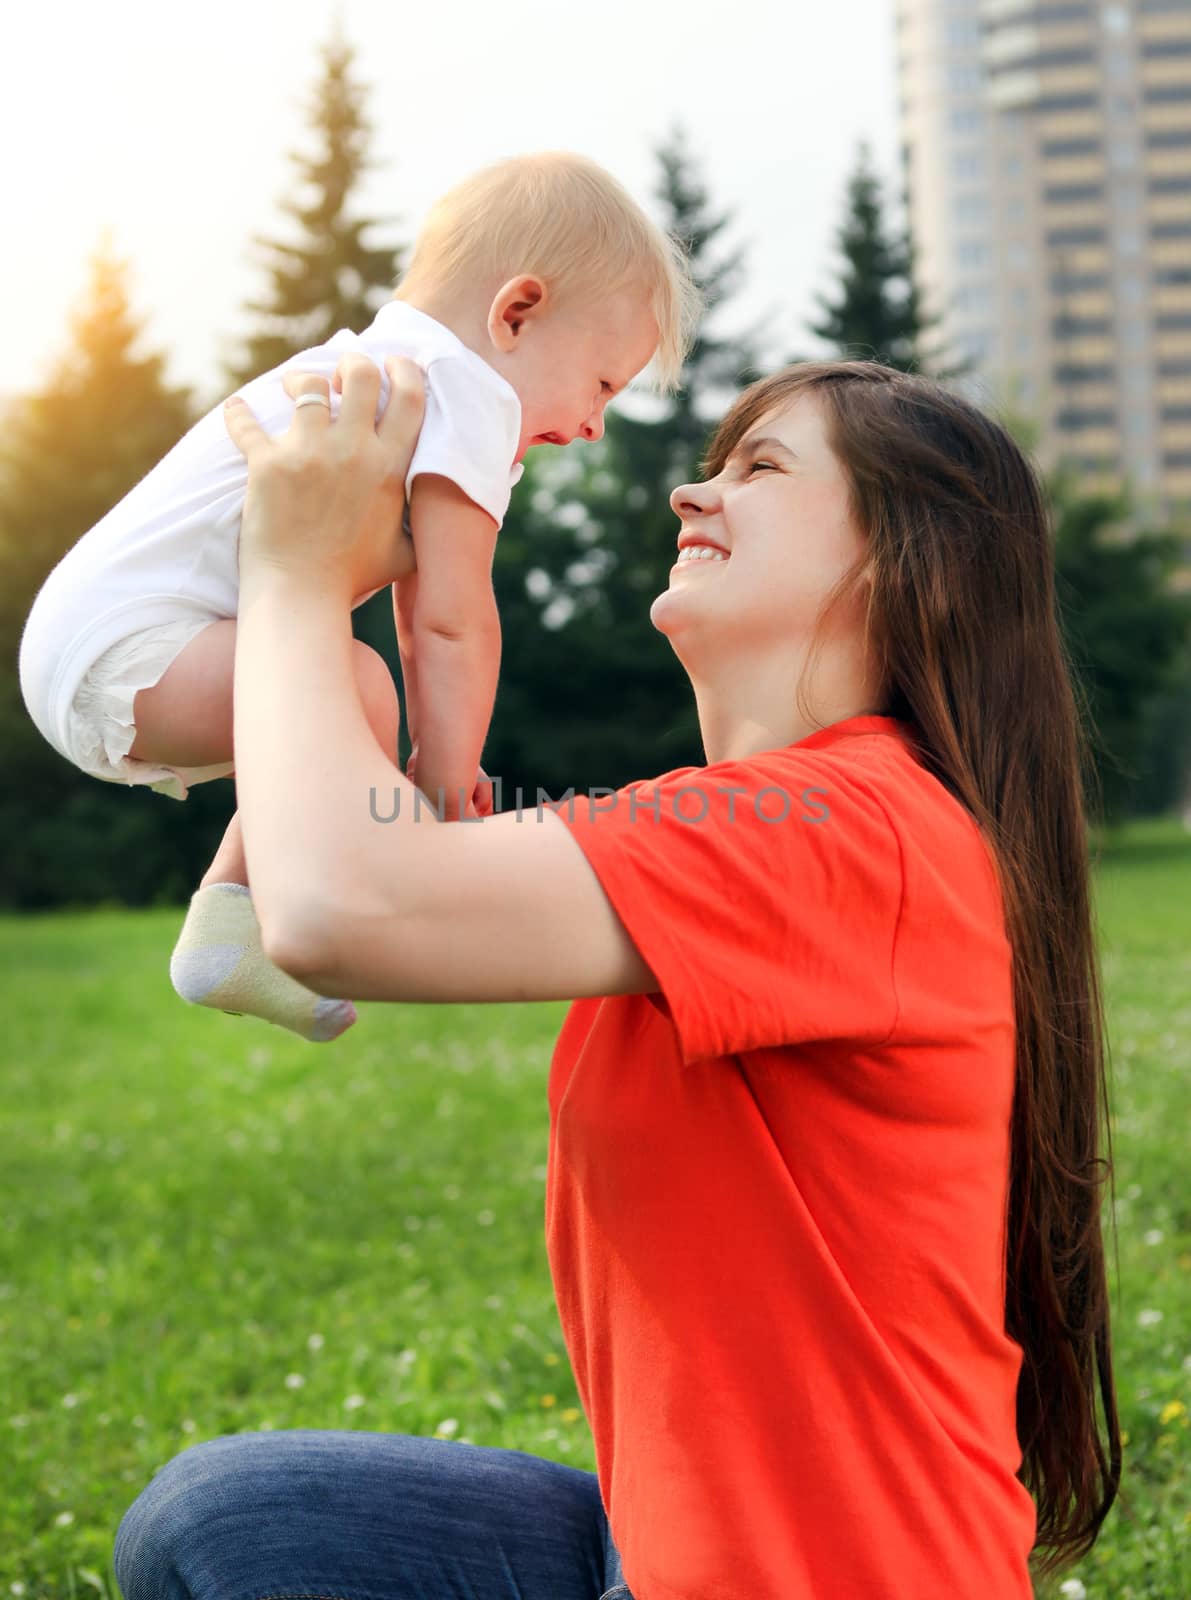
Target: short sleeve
<point>470,433</point>
<point>763,894</point>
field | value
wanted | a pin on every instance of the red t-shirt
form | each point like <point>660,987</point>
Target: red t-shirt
<point>776,1191</point>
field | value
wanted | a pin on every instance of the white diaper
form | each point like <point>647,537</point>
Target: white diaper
<point>100,727</point>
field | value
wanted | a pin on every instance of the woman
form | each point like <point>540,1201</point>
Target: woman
<point>822,1199</point>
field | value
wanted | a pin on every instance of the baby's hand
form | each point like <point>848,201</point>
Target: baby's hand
<point>481,803</point>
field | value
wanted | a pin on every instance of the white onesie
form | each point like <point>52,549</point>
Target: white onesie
<point>163,563</point>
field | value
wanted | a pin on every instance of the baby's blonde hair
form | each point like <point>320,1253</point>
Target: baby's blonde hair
<point>560,215</point>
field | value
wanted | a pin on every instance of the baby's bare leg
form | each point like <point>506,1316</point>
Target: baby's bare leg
<point>185,720</point>
<point>218,960</point>
<point>379,699</point>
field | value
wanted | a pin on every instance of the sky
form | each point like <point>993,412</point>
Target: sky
<point>172,127</point>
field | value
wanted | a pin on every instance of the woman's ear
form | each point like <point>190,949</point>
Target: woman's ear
<point>513,304</point>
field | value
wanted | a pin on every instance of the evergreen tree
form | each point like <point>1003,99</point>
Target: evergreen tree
<point>68,453</point>
<point>331,278</point>
<point>591,693</point>
<point>876,314</point>
<point>71,450</point>
<point>1128,632</point>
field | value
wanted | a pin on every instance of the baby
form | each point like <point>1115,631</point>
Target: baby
<point>537,290</point>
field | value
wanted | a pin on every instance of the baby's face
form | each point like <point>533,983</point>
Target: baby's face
<point>574,363</point>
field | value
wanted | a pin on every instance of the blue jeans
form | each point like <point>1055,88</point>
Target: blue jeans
<point>313,1515</point>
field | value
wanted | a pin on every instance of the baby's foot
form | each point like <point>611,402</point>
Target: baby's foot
<point>219,961</point>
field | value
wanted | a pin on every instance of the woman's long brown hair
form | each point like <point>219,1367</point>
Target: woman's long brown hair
<point>962,620</point>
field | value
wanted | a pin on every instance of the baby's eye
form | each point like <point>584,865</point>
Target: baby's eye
<point>757,464</point>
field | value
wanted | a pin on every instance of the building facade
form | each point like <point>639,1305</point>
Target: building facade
<point>1046,153</point>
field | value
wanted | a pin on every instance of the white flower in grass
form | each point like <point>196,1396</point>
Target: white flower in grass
<point>16,1588</point>
<point>64,1519</point>
<point>1148,1319</point>
<point>494,1302</point>
<point>485,1218</point>
<point>353,1402</point>
<point>1154,1236</point>
<point>448,1427</point>
<point>69,1401</point>
<point>294,1380</point>
<point>1073,1589</point>
<point>315,1342</point>
<point>23,1421</point>
<point>189,1425</point>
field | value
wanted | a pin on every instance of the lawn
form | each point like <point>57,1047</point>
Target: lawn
<point>210,1226</point>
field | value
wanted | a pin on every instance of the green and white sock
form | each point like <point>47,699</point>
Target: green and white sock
<point>219,961</point>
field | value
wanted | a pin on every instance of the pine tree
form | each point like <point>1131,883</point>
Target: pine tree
<point>68,453</point>
<point>591,693</point>
<point>1127,630</point>
<point>876,314</point>
<point>71,450</point>
<point>331,278</point>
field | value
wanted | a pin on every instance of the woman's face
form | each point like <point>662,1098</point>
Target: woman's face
<point>779,513</point>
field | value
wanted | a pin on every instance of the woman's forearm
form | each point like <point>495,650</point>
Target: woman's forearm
<point>310,776</point>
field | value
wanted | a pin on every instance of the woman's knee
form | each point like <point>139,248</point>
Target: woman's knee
<point>167,1523</point>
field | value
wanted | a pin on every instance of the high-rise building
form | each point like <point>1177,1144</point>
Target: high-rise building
<point>1047,161</point>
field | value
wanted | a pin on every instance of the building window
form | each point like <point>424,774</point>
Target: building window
<point>963,78</point>
<point>969,207</point>
<point>1085,101</point>
<point>1064,327</point>
<point>1068,194</point>
<point>1179,183</point>
<point>1078,372</point>
<point>1070,147</point>
<point>1071,421</point>
<point>1165,49</point>
<point>1173,321</point>
<point>1170,138</point>
<point>970,253</point>
<point>1058,237</point>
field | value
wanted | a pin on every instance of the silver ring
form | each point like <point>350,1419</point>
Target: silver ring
<point>312,400</point>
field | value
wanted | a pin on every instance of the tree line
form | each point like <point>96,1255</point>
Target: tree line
<point>590,693</point>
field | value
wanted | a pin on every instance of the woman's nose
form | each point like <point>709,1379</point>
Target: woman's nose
<point>692,497</point>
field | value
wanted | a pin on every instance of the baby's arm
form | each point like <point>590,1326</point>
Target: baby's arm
<point>405,599</point>
<point>455,638</point>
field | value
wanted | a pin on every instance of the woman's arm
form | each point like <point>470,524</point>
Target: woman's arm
<point>505,908</point>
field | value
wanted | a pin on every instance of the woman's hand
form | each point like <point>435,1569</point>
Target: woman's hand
<point>324,499</point>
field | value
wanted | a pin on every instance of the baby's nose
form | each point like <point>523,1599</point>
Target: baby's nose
<point>593,428</point>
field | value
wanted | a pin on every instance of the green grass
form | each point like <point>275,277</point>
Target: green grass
<point>208,1226</point>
